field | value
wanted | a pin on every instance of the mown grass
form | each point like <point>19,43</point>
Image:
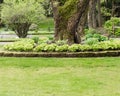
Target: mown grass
<point>46,24</point>
<point>60,76</point>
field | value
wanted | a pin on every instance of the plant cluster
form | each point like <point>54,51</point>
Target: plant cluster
<point>92,37</point>
<point>28,45</point>
<point>111,24</point>
<point>22,45</point>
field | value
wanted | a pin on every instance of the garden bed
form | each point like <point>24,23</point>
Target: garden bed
<point>61,54</point>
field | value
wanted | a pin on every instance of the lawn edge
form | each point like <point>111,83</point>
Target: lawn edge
<point>114,53</point>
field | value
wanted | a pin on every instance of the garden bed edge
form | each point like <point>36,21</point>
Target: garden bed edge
<point>61,54</point>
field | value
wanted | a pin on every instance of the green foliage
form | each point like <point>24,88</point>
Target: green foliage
<point>107,45</point>
<point>40,47</point>
<point>43,40</point>
<point>21,11</point>
<point>110,24</point>
<point>86,47</point>
<point>50,48</point>
<point>74,48</point>
<point>28,45</point>
<point>36,39</point>
<point>92,37</point>
<point>91,41</point>
<point>105,11</point>
<point>48,8</point>
<point>62,48</point>
<point>23,45</point>
<point>90,31</point>
<point>61,42</point>
<point>50,37</point>
<point>117,31</point>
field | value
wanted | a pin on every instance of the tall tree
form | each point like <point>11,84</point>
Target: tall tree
<point>99,14</point>
<point>92,17</point>
<point>68,16</point>
<point>1,1</point>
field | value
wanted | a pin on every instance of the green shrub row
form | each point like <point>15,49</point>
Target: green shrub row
<point>28,45</point>
<point>22,45</point>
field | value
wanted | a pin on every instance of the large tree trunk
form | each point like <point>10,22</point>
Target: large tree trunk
<point>92,16</point>
<point>1,1</point>
<point>68,16</point>
<point>99,14</point>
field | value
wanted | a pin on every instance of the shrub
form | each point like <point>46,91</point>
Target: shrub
<point>40,47</point>
<point>23,45</point>
<point>36,39</point>
<point>114,21</point>
<point>85,48</point>
<point>62,48</point>
<point>50,47</point>
<point>92,37</point>
<point>20,14</point>
<point>107,45</point>
<point>74,48</point>
<point>61,42</point>
<point>91,41</point>
<point>43,40</point>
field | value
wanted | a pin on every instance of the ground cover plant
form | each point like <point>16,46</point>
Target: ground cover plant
<point>59,76</point>
<point>44,45</point>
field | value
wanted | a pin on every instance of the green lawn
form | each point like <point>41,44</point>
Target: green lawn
<point>60,76</point>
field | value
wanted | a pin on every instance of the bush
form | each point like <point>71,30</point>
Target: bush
<point>62,48</point>
<point>20,14</point>
<point>114,21</point>
<point>85,48</point>
<point>92,37</point>
<point>23,45</point>
<point>36,39</point>
<point>91,41</point>
<point>50,48</point>
<point>61,42</point>
<point>40,47</point>
<point>98,36</point>
<point>107,45</point>
<point>74,48</point>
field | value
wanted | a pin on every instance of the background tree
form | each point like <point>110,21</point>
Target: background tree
<point>94,14</point>
<point>1,1</point>
<point>20,14</point>
<point>48,8</point>
<point>68,15</point>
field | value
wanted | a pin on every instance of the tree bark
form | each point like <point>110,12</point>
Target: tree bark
<point>1,1</point>
<point>99,14</point>
<point>92,16</point>
<point>68,16</point>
